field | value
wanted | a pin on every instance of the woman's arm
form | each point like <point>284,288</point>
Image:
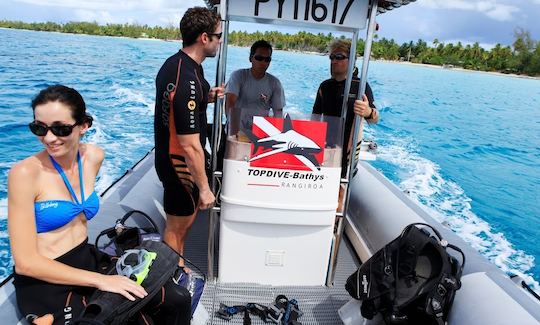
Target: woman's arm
<point>94,155</point>
<point>22,191</point>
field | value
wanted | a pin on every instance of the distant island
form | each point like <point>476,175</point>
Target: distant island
<point>522,58</point>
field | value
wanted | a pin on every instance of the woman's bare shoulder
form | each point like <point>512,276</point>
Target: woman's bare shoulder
<point>92,153</point>
<point>28,168</point>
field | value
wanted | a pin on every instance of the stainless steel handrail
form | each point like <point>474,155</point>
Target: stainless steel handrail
<point>357,122</point>
<point>219,108</point>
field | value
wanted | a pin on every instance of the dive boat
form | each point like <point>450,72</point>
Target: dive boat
<point>275,230</point>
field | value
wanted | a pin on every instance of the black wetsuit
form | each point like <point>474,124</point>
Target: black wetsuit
<point>181,100</point>
<point>65,302</point>
<point>329,100</point>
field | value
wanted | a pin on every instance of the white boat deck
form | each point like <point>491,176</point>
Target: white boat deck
<point>318,303</point>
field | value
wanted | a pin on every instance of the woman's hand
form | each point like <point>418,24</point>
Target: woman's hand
<point>121,285</point>
<point>44,320</point>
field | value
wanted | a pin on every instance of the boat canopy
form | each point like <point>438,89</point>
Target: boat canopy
<point>349,16</point>
<point>382,7</point>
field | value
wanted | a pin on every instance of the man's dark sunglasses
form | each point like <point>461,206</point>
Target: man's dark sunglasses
<point>338,57</point>
<point>60,130</point>
<point>262,58</point>
<point>218,35</point>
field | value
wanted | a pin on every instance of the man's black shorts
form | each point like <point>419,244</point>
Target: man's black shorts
<point>178,200</point>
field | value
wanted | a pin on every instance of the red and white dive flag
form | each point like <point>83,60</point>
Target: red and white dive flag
<point>287,144</point>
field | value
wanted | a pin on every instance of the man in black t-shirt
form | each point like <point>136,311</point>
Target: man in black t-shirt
<point>330,97</point>
<point>182,95</point>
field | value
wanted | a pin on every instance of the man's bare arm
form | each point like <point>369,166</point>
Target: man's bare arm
<point>278,112</point>
<point>232,117</point>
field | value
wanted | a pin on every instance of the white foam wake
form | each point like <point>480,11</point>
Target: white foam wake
<point>128,95</point>
<point>3,215</point>
<point>447,202</point>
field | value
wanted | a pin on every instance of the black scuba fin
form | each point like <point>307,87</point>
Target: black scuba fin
<point>153,264</point>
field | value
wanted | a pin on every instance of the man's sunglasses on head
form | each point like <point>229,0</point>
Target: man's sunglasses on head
<point>338,57</point>
<point>262,58</point>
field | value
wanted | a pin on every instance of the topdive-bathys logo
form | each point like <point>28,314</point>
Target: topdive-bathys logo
<point>287,144</point>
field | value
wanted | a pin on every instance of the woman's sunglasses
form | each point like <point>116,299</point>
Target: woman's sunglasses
<point>262,58</point>
<point>339,57</point>
<point>60,130</point>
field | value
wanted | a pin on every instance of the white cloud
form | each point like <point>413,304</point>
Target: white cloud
<point>492,9</point>
<point>485,46</point>
<point>151,12</point>
<point>171,19</point>
<point>90,15</point>
<point>422,27</point>
<point>122,5</point>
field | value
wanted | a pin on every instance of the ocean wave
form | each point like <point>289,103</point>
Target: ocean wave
<point>128,98</point>
<point>448,203</point>
<point>6,262</point>
<point>9,129</point>
<point>96,134</point>
<point>296,112</point>
<point>107,175</point>
<point>3,214</point>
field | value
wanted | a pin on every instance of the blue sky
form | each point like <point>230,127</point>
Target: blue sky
<point>485,21</point>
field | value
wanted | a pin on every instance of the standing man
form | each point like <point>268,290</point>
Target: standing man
<point>253,92</point>
<point>330,97</point>
<point>182,95</point>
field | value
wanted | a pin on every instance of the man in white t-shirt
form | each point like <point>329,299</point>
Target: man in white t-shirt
<point>253,92</point>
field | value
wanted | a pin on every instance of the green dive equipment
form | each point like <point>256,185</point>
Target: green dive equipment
<point>135,264</point>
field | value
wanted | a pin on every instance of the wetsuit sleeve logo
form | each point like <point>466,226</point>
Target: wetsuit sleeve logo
<point>191,105</point>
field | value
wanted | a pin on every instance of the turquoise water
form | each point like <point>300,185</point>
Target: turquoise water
<point>465,145</point>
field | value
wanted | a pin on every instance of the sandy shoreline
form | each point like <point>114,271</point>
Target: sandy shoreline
<point>460,69</point>
<point>359,58</point>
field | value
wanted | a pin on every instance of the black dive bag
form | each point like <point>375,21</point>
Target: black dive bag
<point>411,280</point>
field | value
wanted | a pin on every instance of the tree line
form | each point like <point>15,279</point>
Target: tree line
<point>93,28</point>
<point>523,57</point>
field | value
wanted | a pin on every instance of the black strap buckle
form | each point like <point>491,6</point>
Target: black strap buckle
<point>274,313</point>
<point>225,312</point>
<point>178,273</point>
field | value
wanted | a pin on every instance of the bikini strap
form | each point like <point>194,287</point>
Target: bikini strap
<point>79,162</point>
<point>66,181</point>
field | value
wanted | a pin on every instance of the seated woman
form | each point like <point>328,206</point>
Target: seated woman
<point>50,199</point>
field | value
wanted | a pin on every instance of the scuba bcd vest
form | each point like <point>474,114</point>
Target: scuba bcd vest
<point>151,265</point>
<point>139,254</point>
<point>411,280</point>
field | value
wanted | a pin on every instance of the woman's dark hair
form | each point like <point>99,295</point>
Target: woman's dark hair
<point>259,44</point>
<point>67,96</point>
<point>197,20</point>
